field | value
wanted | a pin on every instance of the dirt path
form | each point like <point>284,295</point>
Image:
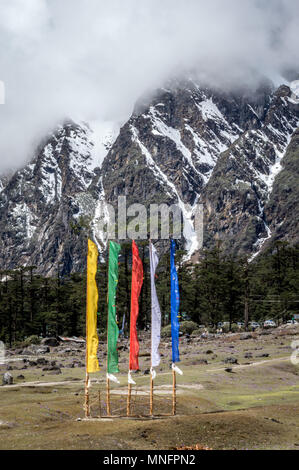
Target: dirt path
<point>43,384</point>
<point>97,381</point>
<point>253,364</point>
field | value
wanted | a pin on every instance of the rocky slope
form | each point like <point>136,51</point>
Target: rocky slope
<point>40,205</point>
<point>234,152</point>
<point>237,198</point>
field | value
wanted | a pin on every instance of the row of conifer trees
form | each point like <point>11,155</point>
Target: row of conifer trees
<point>218,288</point>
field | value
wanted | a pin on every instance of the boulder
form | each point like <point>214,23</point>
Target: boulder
<point>41,361</point>
<point>202,361</point>
<point>32,363</point>
<point>17,351</point>
<point>77,364</point>
<point>26,352</point>
<point>248,355</point>
<point>53,342</point>
<point>56,371</point>
<point>245,336</point>
<point>230,360</point>
<point>7,379</point>
<point>42,350</point>
<point>51,368</point>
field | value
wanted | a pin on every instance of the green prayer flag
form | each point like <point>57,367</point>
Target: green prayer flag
<point>112,362</point>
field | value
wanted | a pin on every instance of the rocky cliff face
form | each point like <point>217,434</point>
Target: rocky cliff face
<point>244,181</point>
<point>41,206</point>
<point>236,153</point>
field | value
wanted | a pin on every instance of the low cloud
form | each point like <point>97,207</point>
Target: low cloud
<point>91,59</point>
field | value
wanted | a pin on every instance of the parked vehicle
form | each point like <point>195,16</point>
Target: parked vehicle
<point>269,324</point>
<point>292,322</point>
<point>254,324</point>
<point>222,324</point>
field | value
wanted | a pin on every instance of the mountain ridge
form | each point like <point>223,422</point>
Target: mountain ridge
<point>184,144</point>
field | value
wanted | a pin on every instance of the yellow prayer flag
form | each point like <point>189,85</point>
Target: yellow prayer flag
<point>92,341</point>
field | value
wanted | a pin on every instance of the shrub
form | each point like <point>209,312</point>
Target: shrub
<point>185,327</point>
<point>197,332</point>
<point>212,329</point>
<point>166,331</point>
<point>225,329</point>
<point>235,328</point>
<point>34,339</point>
<point>188,327</point>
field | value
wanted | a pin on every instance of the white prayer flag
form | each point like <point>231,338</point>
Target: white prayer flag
<point>113,378</point>
<point>153,373</point>
<point>156,312</point>
<point>130,380</point>
<point>177,369</point>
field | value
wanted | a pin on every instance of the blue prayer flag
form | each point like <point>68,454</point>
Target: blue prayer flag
<point>175,303</point>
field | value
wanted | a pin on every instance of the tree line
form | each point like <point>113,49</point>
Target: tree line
<point>218,288</point>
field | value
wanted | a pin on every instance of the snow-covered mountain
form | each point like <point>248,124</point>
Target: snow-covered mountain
<point>236,152</point>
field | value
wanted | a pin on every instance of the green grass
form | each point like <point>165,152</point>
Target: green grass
<point>253,407</point>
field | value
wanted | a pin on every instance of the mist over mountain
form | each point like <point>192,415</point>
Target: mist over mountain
<point>92,60</point>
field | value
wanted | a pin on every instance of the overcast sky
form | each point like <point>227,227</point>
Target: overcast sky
<point>91,59</point>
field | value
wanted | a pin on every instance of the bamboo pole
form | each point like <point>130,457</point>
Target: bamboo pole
<point>129,399</point>
<point>86,404</point>
<point>173,392</point>
<point>151,395</point>
<point>100,406</point>
<point>108,398</point>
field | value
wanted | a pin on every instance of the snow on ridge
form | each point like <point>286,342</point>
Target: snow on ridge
<point>101,217</point>
<point>51,175</point>
<point>209,110</point>
<point>294,86</point>
<point>202,148</point>
<point>280,147</point>
<point>161,129</point>
<point>103,135</point>
<point>190,235</point>
<point>152,164</point>
<point>89,145</point>
<point>258,245</point>
<point>24,218</point>
<point>2,185</point>
<point>276,168</point>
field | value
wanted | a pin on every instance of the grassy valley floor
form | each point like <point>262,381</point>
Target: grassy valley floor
<point>253,404</point>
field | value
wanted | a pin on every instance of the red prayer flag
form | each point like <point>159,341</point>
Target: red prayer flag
<point>137,280</point>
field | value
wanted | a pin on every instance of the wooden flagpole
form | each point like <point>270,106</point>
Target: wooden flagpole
<point>108,397</point>
<point>100,406</point>
<point>173,392</point>
<point>86,404</point>
<point>129,399</point>
<point>151,394</point>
